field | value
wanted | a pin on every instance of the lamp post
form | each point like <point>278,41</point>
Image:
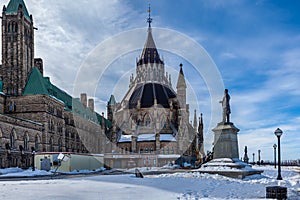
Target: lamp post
<point>278,133</point>
<point>259,157</point>
<point>274,146</point>
<point>253,158</point>
<point>33,154</point>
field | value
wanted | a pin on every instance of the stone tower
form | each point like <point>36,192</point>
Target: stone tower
<point>17,47</point>
<point>183,113</point>
<point>111,108</point>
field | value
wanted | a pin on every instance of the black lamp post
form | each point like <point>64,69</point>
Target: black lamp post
<point>274,146</point>
<point>278,133</point>
<point>33,154</point>
<point>253,158</point>
<point>259,157</point>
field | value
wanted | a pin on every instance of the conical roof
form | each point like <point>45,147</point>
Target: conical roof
<point>149,53</point>
<point>13,6</point>
<point>181,80</point>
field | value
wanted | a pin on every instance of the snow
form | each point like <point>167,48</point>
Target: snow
<point>17,172</point>
<point>226,164</point>
<point>180,186</point>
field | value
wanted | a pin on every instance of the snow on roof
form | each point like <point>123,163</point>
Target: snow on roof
<point>146,137</point>
<point>167,137</point>
<point>125,138</point>
<point>168,156</point>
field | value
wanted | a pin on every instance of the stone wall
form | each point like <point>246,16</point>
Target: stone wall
<point>17,138</point>
<point>46,122</point>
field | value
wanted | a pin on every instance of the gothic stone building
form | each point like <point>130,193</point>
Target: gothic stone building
<point>151,124</point>
<point>35,115</point>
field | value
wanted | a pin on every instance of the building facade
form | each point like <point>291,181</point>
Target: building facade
<point>35,115</point>
<point>149,127</point>
<point>151,123</point>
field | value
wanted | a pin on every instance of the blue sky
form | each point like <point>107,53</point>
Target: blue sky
<point>254,44</point>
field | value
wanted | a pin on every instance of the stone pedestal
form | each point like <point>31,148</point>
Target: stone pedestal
<point>225,141</point>
<point>226,154</point>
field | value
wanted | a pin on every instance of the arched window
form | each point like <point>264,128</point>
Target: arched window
<point>36,143</point>
<point>67,140</point>
<point>25,142</point>
<point>9,27</point>
<point>12,140</point>
<point>148,121</point>
<point>13,27</point>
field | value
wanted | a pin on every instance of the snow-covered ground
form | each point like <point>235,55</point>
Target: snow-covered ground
<point>192,185</point>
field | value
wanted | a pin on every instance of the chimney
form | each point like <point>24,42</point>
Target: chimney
<point>83,99</point>
<point>91,104</point>
<point>38,63</point>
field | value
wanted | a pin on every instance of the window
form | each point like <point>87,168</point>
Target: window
<point>36,143</point>
<point>12,140</point>
<point>151,150</point>
<point>25,141</point>
<point>148,121</point>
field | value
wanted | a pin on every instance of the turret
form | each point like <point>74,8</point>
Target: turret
<point>181,89</point>
<point>195,120</point>
<point>17,47</point>
<point>110,108</point>
<point>200,139</point>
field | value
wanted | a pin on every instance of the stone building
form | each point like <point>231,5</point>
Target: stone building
<point>35,115</point>
<point>151,124</point>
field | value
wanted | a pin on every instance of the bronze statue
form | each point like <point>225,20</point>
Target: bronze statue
<point>226,107</point>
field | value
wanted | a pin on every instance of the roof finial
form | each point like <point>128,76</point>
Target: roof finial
<point>149,20</point>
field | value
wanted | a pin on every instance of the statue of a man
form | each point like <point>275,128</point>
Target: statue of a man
<point>226,107</point>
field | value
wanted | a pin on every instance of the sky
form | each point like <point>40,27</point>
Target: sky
<point>253,45</point>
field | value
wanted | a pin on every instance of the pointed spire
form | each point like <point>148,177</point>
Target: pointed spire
<point>195,119</point>
<point>149,20</point>
<point>149,53</point>
<point>181,80</point>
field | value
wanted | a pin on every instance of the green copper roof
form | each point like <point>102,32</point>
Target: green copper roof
<point>1,86</point>
<point>112,100</point>
<point>13,6</point>
<point>37,84</point>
